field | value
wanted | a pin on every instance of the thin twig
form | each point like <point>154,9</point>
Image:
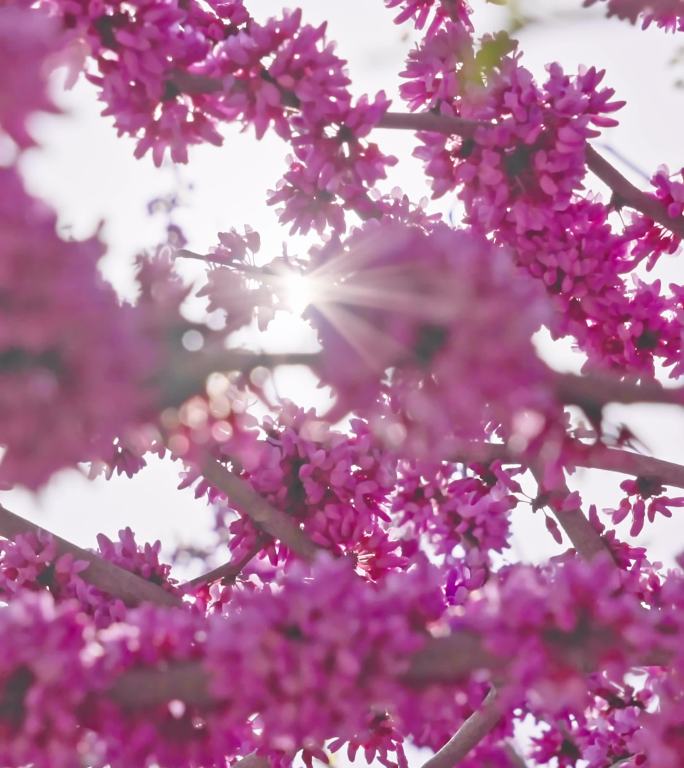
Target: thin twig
<point>625,193</point>
<point>469,735</point>
<point>227,572</point>
<point>102,574</point>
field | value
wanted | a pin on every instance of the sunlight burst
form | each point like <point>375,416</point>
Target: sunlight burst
<point>299,292</point>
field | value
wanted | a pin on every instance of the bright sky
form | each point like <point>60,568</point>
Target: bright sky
<point>90,176</point>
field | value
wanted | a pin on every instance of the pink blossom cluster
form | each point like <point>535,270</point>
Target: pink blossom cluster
<point>28,40</point>
<point>602,735</point>
<point>321,657</point>
<point>521,623</point>
<point>42,648</point>
<point>335,485</point>
<point>520,176</point>
<point>528,156</point>
<point>620,324</point>
<point>333,168</point>
<point>171,72</point>
<point>602,716</point>
<point>464,518</point>
<point>670,190</point>
<point>139,52</point>
<point>400,312</point>
<point>239,289</point>
<point>667,14</point>
<point>635,724</point>
<point>173,733</point>
<point>432,14</point>
<point>72,371</point>
<point>325,654</point>
<point>645,499</point>
<point>31,563</point>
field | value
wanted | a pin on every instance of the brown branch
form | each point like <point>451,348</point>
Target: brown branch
<point>624,192</point>
<point>444,659</point>
<point>600,390</point>
<point>469,735</point>
<point>188,372</point>
<point>628,463</point>
<point>584,537</point>
<point>253,760</point>
<point>145,687</point>
<point>227,572</point>
<point>429,121</point>
<point>580,455</point>
<point>266,517</point>
<point>449,659</point>
<point>102,574</point>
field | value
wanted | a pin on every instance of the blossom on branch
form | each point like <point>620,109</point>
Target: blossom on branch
<point>72,371</point>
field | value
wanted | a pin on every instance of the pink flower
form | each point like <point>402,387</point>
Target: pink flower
<point>443,311</point>
<point>29,563</point>
<point>72,369</point>
<point>667,14</point>
<point>29,41</point>
<point>336,486</point>
<point>319,656</point>
<point>644,489</point>
<point>42,643</point>
<point>447,13</point>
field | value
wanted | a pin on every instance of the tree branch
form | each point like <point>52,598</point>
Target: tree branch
<point>628,463</point>
<point>145,687</point>
<point>585,539</point>
<point>267,518</point>
<point>227,572</point>
<point>429,121</point>
<point>444,659</point>
<point>600,389</point>
<point>187,374</point>
<point>102,574</point>
<point>597,456</point>
<point>448,659</point>
<point>625,193</point>
<point>469,735</point>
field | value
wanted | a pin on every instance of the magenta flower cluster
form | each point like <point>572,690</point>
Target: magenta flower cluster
<point>71,363</point>
<point>372,599</point>
<point>327,654</point>
<point>667,14</point>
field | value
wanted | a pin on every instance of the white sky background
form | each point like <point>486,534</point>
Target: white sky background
<point>89,175</point>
